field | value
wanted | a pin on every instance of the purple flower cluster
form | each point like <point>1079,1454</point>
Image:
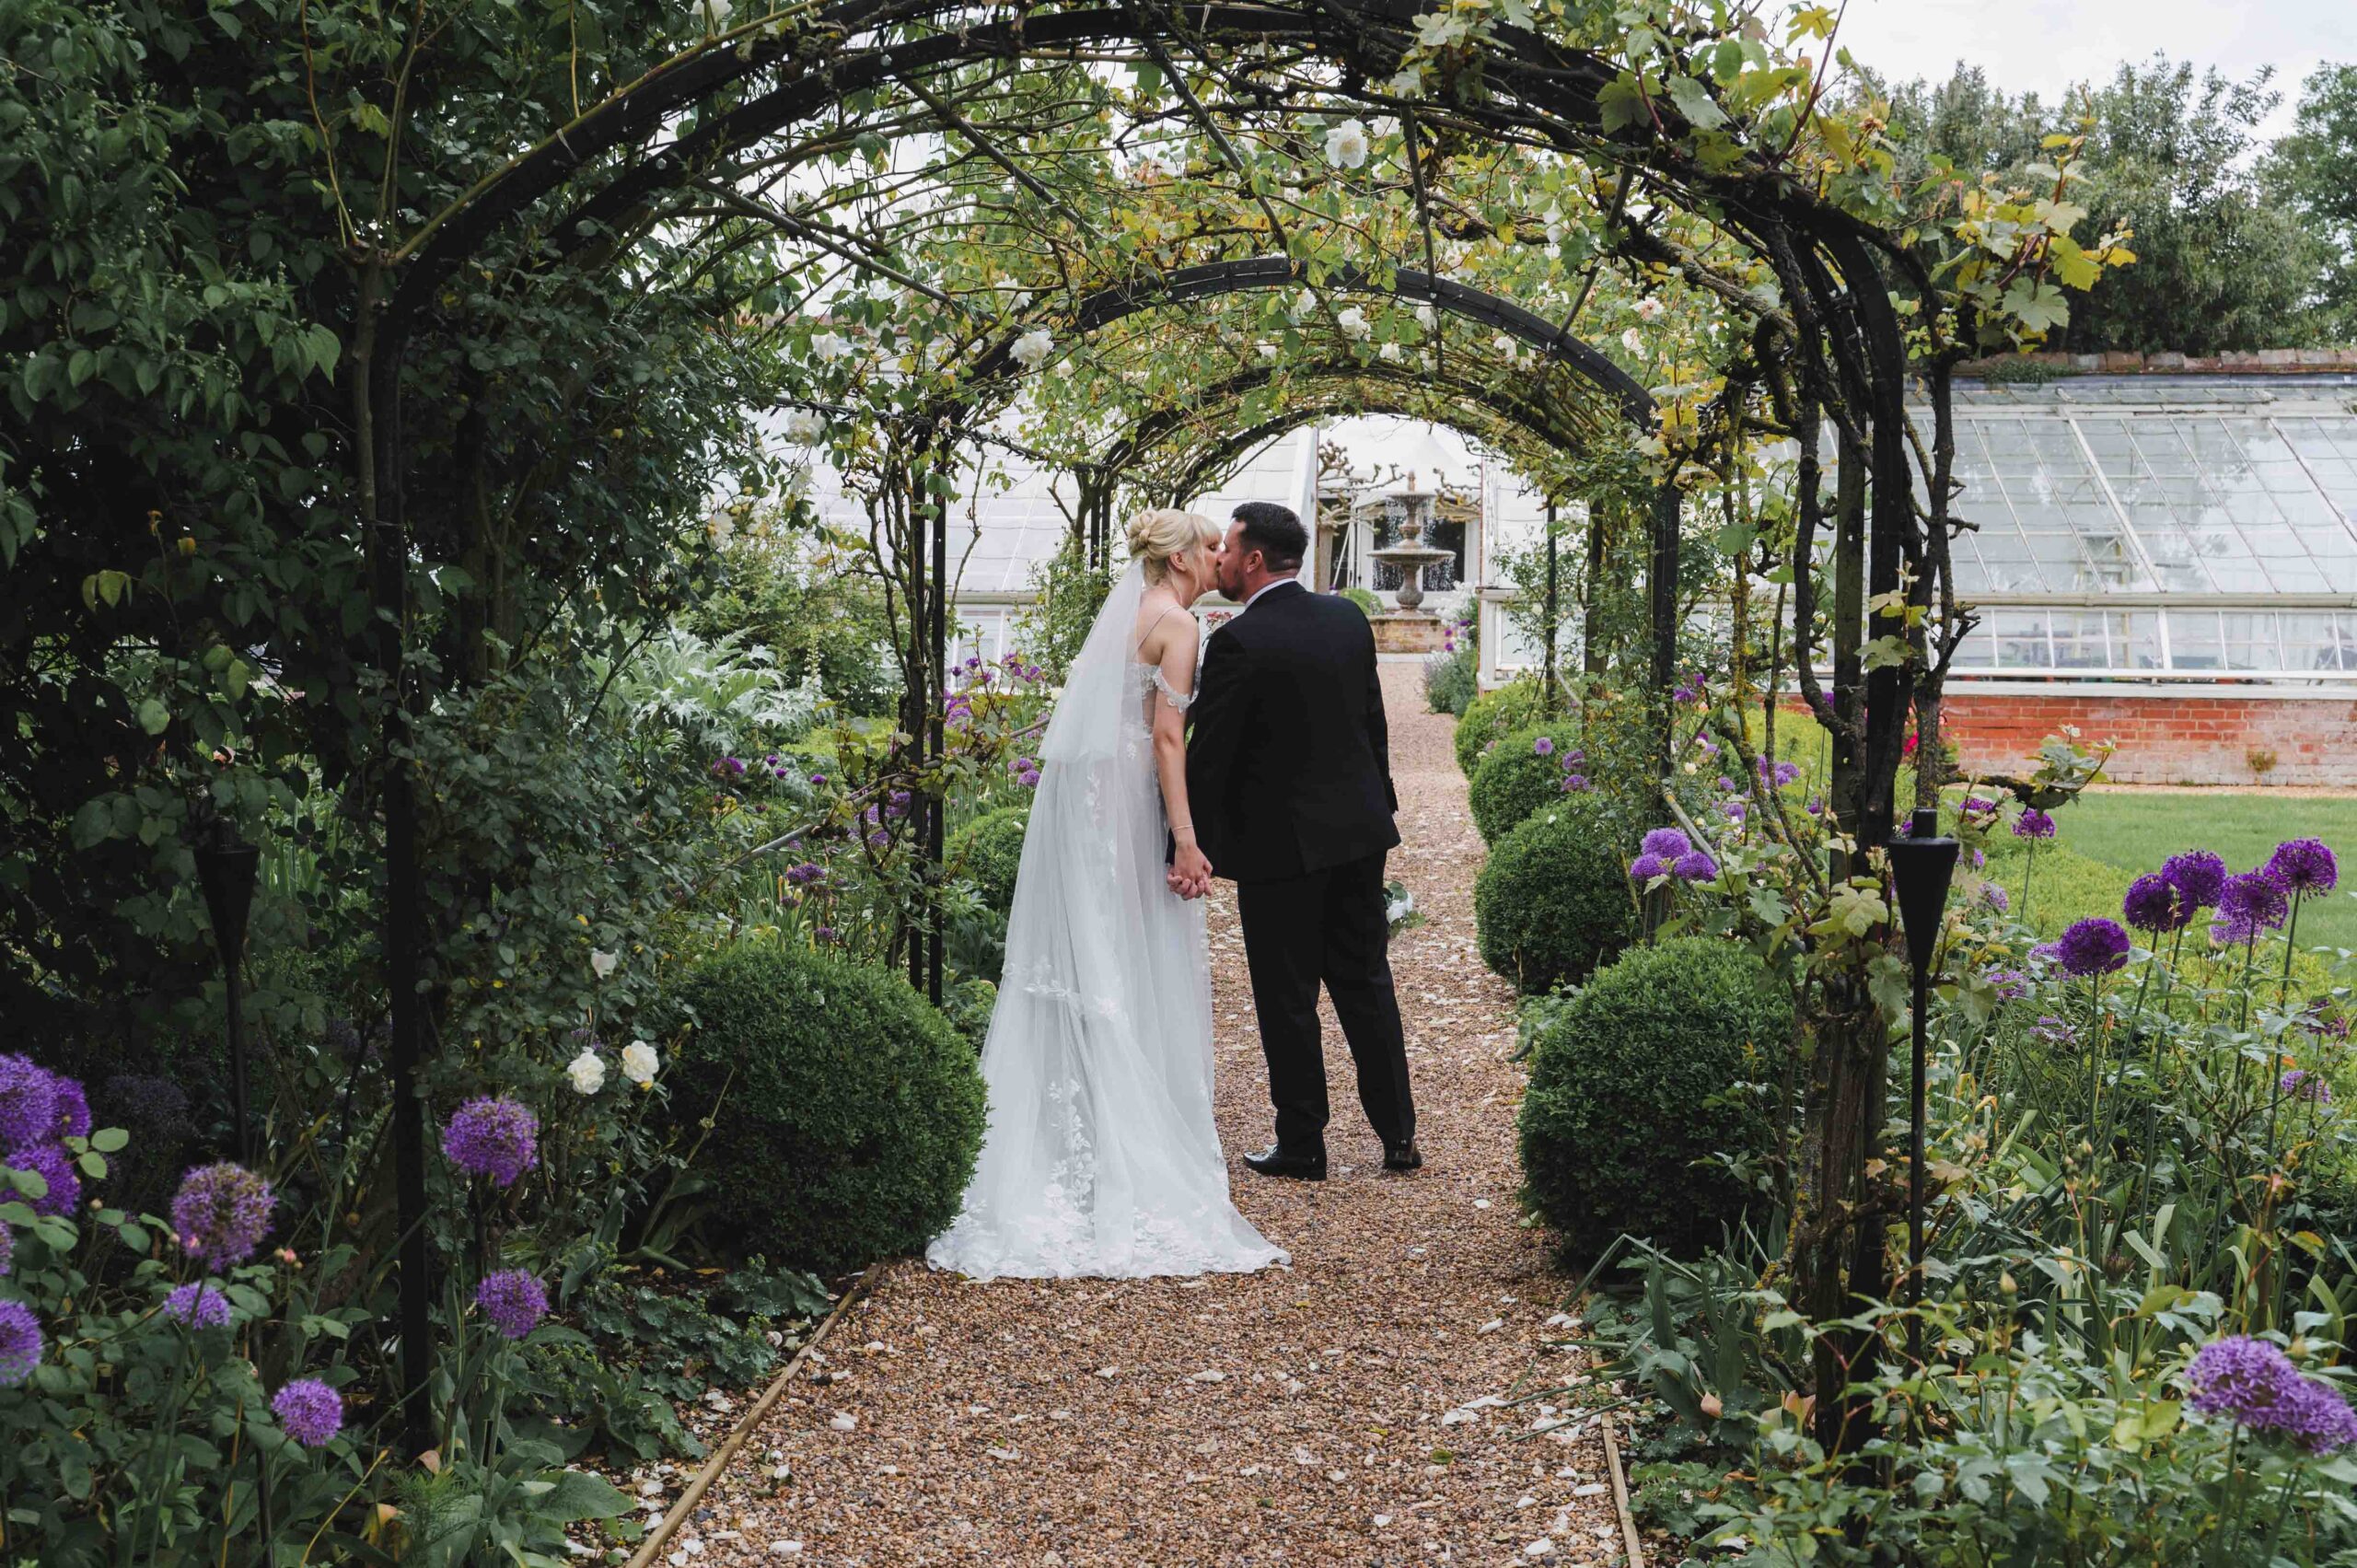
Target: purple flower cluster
<point>2154,904</point>
<point>2301,1084</point>
<point>1697,866</point>
<point>198,1305</point>
<point>1667,843</point>
<point>1026,770</point>
<point>1995,898</point>
<point>2091,948</point>
<point>19,1343</point>
<point>56,1167</point>
<point>1544,745</point>
<point>513,1300</point>
<point>2303,866</point>
<point>221,1213</point>
<point>155,1105</point>
<point>2011,985</point>
<point>2254,1384</point>
<point>28,1101</point>
<point>2251,902</point>
<point>802,875</point>
<point>1978,811</point>
<point>492,1136</point>
<point>2198,876</point>
<point>1776,775</point>
<point>2032,824</point>
<point>311,1412</point>
<point>728,768</point>
<point>1645,868</point>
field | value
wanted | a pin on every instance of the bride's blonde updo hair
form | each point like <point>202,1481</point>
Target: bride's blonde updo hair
<point>1156,535</point>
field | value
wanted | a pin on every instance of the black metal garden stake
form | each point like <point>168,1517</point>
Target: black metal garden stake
<point>1552,611</point>
<point>1922,865</point>
<point>225,866</point>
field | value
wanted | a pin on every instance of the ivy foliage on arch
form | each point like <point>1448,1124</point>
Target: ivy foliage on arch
<point>413,415</point>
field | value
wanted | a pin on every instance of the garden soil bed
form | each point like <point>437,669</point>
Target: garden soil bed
<point>1344,1410</point>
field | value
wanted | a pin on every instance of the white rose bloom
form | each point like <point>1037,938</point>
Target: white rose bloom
<point>1032,350</point>
<point>831,347</point>
<point>601,963</point>
<point>722,528</point>
<point>1389,354</point>
<point>1505,345</point>
<point>1064,367</point>
<point>1267,350</point>
<point>639,1062</point>
<point>1346,145</point>
<point>587,1072</point>
<point>804,427</point>
<point>1307,303</point>
<point>1650,308</point>
<point>1353,322</point>
<point>1427,317</point>
<point>1634,340</point>
<point>1385,126</point>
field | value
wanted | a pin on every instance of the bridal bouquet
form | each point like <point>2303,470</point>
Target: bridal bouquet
<point>1400,908</point>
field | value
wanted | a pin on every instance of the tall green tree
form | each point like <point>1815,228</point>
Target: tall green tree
<point>2225,258</point>
<point>2313,171</point>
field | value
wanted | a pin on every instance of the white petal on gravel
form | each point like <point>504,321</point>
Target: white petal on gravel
<point>1542,1547</point>
<point>1210,1376</point>
<point>1302,1456</point>
<point>786,1547</point>
<point>1108,1372</point>
<point>1381,1520</point>
<point>1480,1203</point>
<point>1526,1501</point>
<point>845,1422</point>
<point>1593,1489</point>
<point>1491,1327</point>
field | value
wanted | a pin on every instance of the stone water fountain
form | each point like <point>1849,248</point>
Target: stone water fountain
<point>1410,628</point>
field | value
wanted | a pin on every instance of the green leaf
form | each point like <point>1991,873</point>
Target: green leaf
<point>110,1140</point>
<point>1695,102</point>
<point>1623,106</point>
<point>573,1495</point>
<point>154,718</point>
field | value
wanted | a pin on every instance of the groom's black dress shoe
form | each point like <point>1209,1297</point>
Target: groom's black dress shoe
<point>1404,1157</point>
<point>1278,1160</point>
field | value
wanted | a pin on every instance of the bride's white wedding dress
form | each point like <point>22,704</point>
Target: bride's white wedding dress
<point>1100,1157</point>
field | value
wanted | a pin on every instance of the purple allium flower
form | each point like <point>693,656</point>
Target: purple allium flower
<point>1668,843</point>
<point>494,1137</point>
<point>28,1101</point>
<point>2045,955</point>
<point>1980,858</point>
<point>1543,747</point>
<point>19,1343</point>
<point>1734,810</point>
<point>2010,984</point>
<point>1645,868</point>
<point>1726,784</point>
<point>1995,898</point>
<point>221,1213</point>
<point>2093,948</point>
<point>1574,784</point>
<point>73,1107</point>
<point>2303,866</point>
<point>818,781</point>
<point>828,934</point>
<point>1710,746</point>
<point>1776,774</point>
<point>2245,1379</point>
<point>1976,806</point>
<point>1696,866</point>
<point>1816,807</point>
<point>2252,902</point>
<point>514,1301</point>
<point>2154,904</point>
<point>311,1412</point>
<point>2199,875</point>
<point>2317,1417</point>
<point>2301,1084</point>
<point>802,875</point>
<point>152,1104</point>
<point>1030,778</point>
<point>199,1305</point>
<point>56,1167</point>
<point>2032,824</point>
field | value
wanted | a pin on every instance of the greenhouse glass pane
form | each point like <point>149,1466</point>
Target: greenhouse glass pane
<point>2251,640</point>
<point>2075,533</point>
<point>1979,649</point>
<point>2021,639</point>
<point>2193,640</point>
<point>2135,639</point>
<point>2311,641</point>
<point>2080,641</point>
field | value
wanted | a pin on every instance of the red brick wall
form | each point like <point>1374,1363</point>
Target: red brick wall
<point>2166,739</point>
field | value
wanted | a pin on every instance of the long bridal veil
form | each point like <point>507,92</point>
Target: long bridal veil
<point>1100,1157</point>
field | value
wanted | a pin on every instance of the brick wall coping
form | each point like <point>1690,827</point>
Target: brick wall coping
<point>2341,690</point>
<point>2252,362</point>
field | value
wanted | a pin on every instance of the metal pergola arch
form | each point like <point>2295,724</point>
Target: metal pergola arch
<point>1540,92</point>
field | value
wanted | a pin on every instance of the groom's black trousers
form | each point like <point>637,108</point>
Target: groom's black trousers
<point>1328,926</point>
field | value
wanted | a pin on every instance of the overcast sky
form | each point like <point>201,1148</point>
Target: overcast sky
<point>2048,45</point>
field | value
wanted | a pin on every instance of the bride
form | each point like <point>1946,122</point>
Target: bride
<point>1100,1157</point>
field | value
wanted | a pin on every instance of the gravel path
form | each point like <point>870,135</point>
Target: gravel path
<point>1326,1414</point>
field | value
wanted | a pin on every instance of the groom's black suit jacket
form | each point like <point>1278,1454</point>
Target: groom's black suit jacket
<point>1289,771</point>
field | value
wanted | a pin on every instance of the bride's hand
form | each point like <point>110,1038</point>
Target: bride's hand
<point>1190,872</point>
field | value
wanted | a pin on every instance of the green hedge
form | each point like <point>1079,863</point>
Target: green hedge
<point>988,851</point>
<point>847,1112</point>
<point>1369,606</point>
<point>1493,715</point>
<point>1553,901</point>
<point>1524,772</point>
<point>1641,1082</point>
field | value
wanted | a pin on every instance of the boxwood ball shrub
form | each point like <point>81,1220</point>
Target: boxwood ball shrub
<point>1493,715</point>
<point>1640,1081</point>
<point>1369,606</point>
<point>1553,901</point>
<point>847,1112</point>
<point>1524,772</point>
<point>988,850</point>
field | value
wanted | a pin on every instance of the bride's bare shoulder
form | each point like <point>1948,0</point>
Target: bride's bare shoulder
<point>1161,617</point>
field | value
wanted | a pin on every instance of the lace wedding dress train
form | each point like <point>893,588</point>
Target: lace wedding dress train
<point>1100,1156</point>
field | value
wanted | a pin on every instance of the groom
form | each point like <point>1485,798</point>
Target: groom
<point>1289,775</point>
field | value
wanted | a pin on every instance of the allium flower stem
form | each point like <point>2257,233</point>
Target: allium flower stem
<point>2029,865</point>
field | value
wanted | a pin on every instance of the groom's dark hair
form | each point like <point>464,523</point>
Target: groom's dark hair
<point>1275,532</point>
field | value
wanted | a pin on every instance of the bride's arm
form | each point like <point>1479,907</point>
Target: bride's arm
<point>1177,668</point>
